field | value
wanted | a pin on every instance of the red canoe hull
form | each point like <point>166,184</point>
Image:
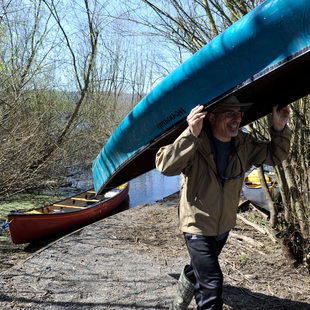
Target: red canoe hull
<point>25,227</point>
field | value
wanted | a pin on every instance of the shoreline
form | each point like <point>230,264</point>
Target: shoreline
<point>132,260</point>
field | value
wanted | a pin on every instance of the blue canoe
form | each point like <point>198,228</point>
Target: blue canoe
<point>263,58</point>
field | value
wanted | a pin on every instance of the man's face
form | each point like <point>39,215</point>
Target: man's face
<point>225,122</point>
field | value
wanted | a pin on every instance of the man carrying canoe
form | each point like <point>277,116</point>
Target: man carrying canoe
<point>212,155</point>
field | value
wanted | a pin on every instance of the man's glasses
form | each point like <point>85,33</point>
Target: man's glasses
<point>230,114</point>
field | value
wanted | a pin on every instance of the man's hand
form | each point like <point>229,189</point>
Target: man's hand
<point>280,117</point>
<point>195,120</point>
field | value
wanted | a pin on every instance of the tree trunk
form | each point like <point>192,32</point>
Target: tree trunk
<point>271,204</point>
<point>296,201</point>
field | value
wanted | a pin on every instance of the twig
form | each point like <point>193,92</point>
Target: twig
<point>164,258</point>
<point>258,228</point>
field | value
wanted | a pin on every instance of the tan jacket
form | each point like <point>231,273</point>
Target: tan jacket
<point>208,205</point>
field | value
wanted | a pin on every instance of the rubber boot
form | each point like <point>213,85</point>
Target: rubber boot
<point>184,294</point>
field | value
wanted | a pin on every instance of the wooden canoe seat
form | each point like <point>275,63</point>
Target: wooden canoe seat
<point>84,199</point>
<point>33,212</point>
<point>66,206</point>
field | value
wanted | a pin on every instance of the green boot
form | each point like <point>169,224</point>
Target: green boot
<point>184,295</point>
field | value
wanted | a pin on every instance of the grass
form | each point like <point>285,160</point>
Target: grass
<point>26,202</point>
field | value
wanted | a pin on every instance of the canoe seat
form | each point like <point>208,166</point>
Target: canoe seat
<point>33,212</point>
<point>66,206</point>
<point>84,199</point>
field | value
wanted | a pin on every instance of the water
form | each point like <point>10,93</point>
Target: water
<point>152,186</point>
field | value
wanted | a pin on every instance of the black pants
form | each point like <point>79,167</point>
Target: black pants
<point>204,270</point>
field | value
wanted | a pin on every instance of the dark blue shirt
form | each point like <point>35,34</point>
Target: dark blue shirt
<point>222,153</point>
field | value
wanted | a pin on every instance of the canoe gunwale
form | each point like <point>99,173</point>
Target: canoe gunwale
<point>24,213</point>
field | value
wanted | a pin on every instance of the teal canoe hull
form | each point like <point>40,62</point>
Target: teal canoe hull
<point>264,57</point>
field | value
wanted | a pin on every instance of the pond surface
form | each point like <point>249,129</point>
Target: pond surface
<point>152,186</point>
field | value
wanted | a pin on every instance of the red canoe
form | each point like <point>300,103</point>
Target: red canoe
<point>65,215</point>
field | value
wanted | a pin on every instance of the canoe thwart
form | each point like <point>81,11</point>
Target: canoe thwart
<point>84,199</point>
<point>66,206</point>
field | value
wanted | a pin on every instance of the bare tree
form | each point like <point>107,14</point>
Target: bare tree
<point>22,36</point>
<point>295,183</point>
<point>65,83</point>
<point>31,128</point>
<point>82,78</point>
<point>193,23</point>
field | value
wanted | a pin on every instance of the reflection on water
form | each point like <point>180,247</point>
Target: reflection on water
<point>152,186</point>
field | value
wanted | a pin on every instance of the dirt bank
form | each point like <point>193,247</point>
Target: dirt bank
<point>131,261</point>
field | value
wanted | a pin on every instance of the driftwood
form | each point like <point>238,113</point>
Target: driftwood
<point>258,228</point>
<point>263,214</point>
<point>262,230</point>
<point>246,239</point>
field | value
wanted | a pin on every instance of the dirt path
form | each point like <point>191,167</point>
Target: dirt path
<point>131,261</point>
